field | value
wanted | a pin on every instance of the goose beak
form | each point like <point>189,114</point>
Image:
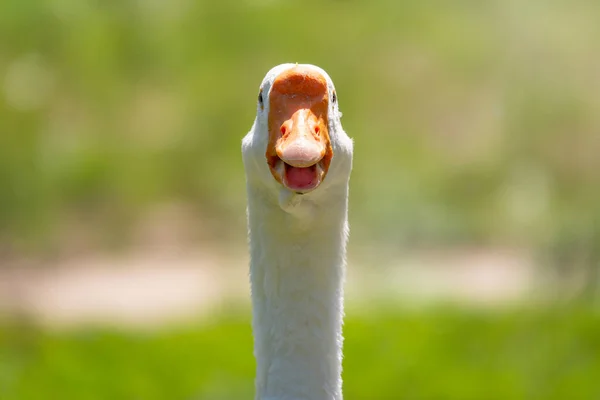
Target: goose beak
<point>299,150</point>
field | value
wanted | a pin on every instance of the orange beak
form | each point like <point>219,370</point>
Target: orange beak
<point>299,150</point>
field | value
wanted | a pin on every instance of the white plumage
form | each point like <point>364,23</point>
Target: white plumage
<point>297,160</point>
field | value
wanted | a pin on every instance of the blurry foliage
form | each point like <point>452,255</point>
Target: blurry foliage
<point>474,122</point>
<point>439,354</point>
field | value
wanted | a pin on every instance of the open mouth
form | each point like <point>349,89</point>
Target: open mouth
<point>300,179</point>
<point>299,151</point>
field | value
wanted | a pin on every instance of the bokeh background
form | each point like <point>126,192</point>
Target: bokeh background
<point>475,196</point>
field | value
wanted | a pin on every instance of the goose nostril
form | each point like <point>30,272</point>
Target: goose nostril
<point>317,129</point>
<point>283,129</point>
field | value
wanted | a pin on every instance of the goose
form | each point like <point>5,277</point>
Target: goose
<point>297,160</point>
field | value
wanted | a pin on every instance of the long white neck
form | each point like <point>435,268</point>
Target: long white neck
<point>297,269</point>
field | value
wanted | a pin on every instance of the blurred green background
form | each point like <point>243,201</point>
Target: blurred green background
<point>476,126</point>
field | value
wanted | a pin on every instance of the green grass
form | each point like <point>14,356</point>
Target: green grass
<point>441,354</point>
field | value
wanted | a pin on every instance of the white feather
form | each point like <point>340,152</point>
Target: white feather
<point>297,266</point>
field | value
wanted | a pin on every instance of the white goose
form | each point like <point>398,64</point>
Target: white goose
<point>298,160</point>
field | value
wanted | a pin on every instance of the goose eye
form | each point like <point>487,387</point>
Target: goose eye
<point>260,100</point>
<point>333,98</point>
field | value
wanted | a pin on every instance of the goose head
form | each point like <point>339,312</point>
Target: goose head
<point>297,144</point>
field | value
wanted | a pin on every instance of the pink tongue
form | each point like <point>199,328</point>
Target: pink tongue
<point>300,177</point>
